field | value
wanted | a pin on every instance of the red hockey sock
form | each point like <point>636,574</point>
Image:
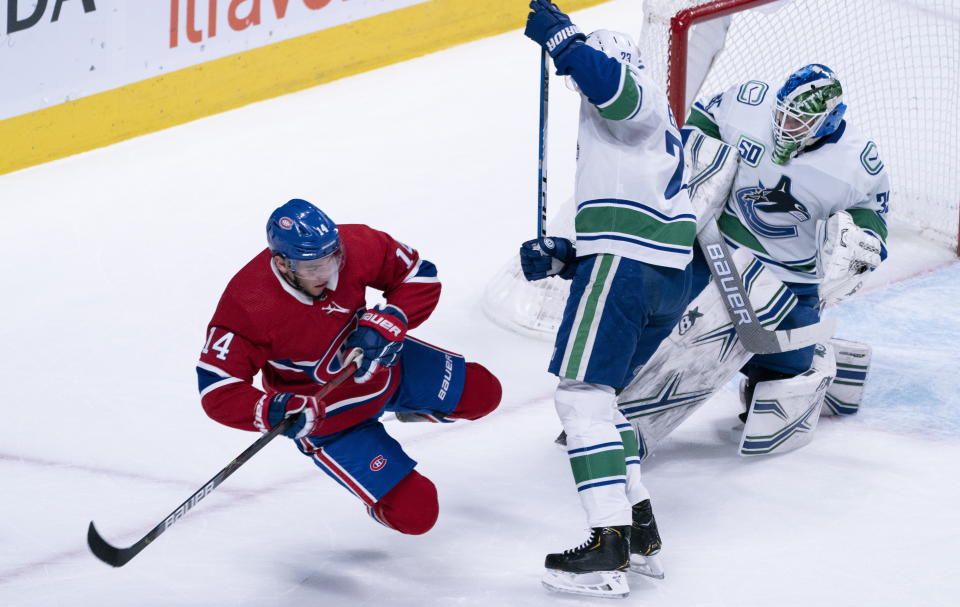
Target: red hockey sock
<point>481,393</point>
<point>411,507</point>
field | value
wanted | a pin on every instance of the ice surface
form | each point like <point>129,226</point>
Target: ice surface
<point>112,264</point>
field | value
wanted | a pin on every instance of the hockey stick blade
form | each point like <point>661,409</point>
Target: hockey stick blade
<point>750,331</point>
<point>111,555</point>
<point>118,557</point>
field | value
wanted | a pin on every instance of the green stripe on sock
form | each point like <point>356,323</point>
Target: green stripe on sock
<point>631,447</point>
<point>594,466</point>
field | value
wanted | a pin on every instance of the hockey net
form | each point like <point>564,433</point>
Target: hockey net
<point>898,61</point>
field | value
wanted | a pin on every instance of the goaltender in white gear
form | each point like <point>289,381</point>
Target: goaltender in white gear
<point>809,199</point>
<point>702,354</point>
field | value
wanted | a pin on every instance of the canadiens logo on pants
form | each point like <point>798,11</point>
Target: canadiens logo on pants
<point>378,463</point>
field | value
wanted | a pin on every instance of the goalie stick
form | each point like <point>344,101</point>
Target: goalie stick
<point>752,334</point>
<point>118,557</point>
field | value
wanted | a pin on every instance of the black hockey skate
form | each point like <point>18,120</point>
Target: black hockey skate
<point>594,568</point>
<point>645,542</point>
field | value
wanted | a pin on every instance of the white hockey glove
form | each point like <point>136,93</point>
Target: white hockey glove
<point>845,254</point>
<point>713,166</point>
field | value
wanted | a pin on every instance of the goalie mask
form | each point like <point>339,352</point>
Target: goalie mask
<point>309,243</point>
<point>809,106</point>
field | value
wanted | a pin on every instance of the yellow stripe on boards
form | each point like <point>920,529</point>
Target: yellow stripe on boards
<point>254,75</point>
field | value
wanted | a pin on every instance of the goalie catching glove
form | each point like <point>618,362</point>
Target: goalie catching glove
<point>846,252</point>
<point>379,335</point>
<point>549,257</point>
<point>275,407</point>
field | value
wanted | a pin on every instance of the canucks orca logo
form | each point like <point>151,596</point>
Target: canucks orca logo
<point>777,199</point>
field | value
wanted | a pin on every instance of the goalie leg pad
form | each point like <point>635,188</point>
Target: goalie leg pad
<point>784,413</point>
<point>699,356</point>
<point>846,390</point>
<point>806,312</point>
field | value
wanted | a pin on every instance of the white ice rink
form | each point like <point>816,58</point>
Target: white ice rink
<point>112,262</point>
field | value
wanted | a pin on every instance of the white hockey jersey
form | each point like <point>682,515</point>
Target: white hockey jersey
<point>774,209</point>
<point>630,175</point>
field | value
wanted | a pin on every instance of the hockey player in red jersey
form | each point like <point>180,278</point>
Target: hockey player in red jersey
<point>294,311</point>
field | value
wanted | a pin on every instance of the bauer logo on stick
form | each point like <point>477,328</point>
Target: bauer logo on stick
<point>728,284</point>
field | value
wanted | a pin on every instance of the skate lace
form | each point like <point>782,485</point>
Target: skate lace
<point>592,541</point>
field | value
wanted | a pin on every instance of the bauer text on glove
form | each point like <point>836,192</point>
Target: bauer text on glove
<point>379,335</point>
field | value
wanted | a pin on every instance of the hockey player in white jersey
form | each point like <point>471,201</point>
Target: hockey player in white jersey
<point>635,229</point>
<point>809,198</point>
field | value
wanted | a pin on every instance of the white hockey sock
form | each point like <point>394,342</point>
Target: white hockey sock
<point>594,444</point>
<point>636,491</point>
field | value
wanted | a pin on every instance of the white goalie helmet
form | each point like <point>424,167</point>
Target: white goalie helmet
<point>616,45</point>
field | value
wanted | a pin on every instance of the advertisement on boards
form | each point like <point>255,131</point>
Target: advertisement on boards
<point>54,51</point>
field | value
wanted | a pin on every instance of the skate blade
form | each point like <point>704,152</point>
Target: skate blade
<point>649,566</point>
<point>603,584</point>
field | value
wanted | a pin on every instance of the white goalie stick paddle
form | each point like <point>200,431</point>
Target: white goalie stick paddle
<point>751,332</point>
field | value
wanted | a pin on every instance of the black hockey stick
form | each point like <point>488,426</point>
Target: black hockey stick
<point>542,171</point>
<point>118,557</point>
<point>751,332</point>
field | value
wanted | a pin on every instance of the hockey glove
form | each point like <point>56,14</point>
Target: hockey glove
<point>549,27</point>
<point>275,407</point>
<point>845,254</point>
<point>379,334</point>
<point>846,249</point>
<point>552,257</point>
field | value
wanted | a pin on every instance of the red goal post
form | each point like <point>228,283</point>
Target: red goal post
<point>680,25</point>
